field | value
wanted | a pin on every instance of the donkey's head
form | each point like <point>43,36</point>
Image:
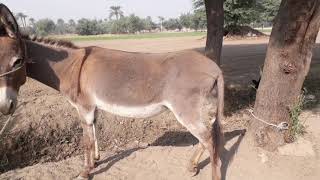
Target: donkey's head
<point>12,61</point>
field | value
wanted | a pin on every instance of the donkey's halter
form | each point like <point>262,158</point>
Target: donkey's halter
<point>12,71</point>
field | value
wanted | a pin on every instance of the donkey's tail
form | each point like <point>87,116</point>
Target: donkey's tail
<point>216,127</point>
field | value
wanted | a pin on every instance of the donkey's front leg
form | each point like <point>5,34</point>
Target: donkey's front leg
<point>87,122</point>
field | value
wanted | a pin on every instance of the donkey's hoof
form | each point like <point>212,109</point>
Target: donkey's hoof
<point>193,169</point>
<point>84,175</point>
<point>97,157</point>
<point>96,164</point>
<point>79,177</point>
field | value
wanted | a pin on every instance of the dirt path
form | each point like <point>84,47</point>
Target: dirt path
<point>52,125</point>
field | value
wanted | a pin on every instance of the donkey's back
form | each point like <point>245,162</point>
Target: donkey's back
<point>135,79</point>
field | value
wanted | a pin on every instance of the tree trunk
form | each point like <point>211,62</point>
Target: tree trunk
<point>287,63</point>
<point>215,21</point>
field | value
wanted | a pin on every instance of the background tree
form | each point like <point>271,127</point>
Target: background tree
<point>32,22</point>
<point>172,24</point>
<point>148,24</point>
<point>45,27</point>
<point>71,27</point>
<point>215,23</point>
<point>22,18</point>
<point>60,27</point>
<point>244,12</point>
<point>88,27</point>
<point>240,12</point>
<point>268,10</point>
<point>287,63</point>
<point>161,19</point>
<point>118,26</point>
<point>186,20</point>
<point>199,20</point>
<point>135,24</point>
<point>116,11</point>
<point>31,27</point>
<point>228,16</point>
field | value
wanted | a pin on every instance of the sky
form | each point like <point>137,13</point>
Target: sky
<point>99,9</point>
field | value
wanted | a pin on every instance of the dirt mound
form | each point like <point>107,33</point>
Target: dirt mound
<point>242,31</point>
<point>38,144</point>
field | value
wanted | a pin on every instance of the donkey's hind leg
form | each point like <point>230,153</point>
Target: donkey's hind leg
<point>188,113</point>
<point>87,121</point>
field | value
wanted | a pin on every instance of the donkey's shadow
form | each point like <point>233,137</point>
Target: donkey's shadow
<point>172,138</point>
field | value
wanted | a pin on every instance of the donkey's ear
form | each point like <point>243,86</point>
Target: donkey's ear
<point>9,22</point>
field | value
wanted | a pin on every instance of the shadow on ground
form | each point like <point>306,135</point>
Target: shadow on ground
<point>173,138</point>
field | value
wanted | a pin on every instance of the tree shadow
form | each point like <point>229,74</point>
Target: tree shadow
<point>173,138</point>
<point>241,65</point>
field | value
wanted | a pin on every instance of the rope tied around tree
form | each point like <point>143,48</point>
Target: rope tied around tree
<point>281,126</point>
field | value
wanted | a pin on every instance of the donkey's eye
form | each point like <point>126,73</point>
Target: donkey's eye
<point>17,63</point>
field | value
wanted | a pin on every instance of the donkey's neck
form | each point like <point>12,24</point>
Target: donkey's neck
<point>52,65</point>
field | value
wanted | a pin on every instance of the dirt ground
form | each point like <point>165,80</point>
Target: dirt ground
<point>43,141</point>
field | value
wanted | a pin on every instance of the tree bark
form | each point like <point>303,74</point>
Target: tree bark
<point>215,22</point>
<point>287,63</point>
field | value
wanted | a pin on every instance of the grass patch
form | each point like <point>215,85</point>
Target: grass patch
<point>297,127</point>
<point>129,36</point>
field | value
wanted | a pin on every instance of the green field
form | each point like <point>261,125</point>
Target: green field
<point>129,36</point>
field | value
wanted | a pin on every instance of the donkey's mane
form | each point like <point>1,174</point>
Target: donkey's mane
<point>50,41</point>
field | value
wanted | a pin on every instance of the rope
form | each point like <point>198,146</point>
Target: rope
<point>12,71</point>
<point>5,125</point>
<point>280,126</point>
<point>9,119</point>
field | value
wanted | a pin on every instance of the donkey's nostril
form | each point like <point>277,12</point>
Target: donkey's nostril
<point>11,106</point>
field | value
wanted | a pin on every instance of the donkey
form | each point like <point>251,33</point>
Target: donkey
<point>137,85</point>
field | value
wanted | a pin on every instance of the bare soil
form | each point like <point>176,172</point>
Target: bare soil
<point>43,139</point>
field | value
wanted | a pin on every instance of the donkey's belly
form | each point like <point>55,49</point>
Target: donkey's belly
<point>142,111</point>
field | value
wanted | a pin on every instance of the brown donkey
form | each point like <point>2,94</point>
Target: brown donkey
<point>136,85</point>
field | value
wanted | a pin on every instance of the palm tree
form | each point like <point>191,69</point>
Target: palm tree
<point>32,22</point>
<point>18,17</point>
<point>32,26</point>
<point>22,17</point>
<point>116,11</point>
<point>161,19</point>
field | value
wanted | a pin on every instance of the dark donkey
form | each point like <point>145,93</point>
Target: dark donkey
<point>136,85</point>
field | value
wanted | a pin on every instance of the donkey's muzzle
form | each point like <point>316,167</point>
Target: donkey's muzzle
<point>8,107</point>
